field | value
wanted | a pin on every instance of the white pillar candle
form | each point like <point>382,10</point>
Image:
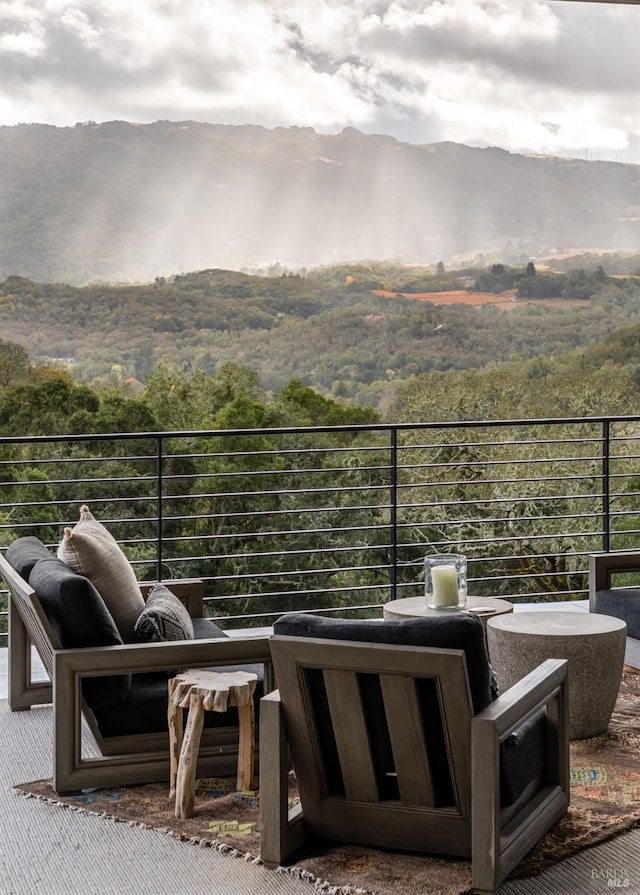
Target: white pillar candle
<point>445,585</point>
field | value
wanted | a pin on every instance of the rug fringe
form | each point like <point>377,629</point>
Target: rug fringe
<point>322,885</point>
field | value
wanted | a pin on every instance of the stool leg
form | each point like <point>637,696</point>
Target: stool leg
<point>186,777</point>
<point>174,718</point>
<point>246,742</point>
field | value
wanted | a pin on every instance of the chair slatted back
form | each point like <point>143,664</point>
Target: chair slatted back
<point>380,737</point>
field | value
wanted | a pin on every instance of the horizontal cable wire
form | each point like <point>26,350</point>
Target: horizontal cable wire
<point>311,523</point>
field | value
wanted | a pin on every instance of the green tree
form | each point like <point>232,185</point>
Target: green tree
<point>44,407</point>
<point>15,363</point>
<point>182,400</point>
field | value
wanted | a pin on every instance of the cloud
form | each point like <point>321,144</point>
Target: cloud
<point>543,76</point>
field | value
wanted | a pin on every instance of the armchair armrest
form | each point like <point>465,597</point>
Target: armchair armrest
<point>603,565</point>
<point>143,657</point>
<point>525,698</point>
<point>282,829</point>
<point>71,665</point>
<point>546,687</point>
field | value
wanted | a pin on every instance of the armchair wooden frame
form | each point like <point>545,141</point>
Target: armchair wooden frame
<point>115,760</point>
<point>475,826</point>
<point>602,567</point>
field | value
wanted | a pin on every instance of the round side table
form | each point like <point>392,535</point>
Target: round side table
<point>594,644</point>
<point>416,607</point>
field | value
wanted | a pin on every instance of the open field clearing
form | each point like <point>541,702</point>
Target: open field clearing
<point>506,301</point>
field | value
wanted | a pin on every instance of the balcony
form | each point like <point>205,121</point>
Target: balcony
<point>335,520</point>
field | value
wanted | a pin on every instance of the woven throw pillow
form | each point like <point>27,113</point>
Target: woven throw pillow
<point>90,550</point>
<point>164,617</point>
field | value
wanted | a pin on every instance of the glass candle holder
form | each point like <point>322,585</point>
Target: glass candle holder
<point>445,581</point>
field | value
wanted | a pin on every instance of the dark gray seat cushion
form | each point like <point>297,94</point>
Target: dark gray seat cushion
<point>622,603</point>
<point>522,756</point>
<point>205,629</point>
<point>145,708</point>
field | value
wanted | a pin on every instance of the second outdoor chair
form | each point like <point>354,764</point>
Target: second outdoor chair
<point>398,742</point>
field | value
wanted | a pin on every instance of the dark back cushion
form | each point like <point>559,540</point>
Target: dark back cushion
<point>79,618</point>
<point>24,553</point>
<point>447,632</point>
<point>622,603</point>
<point>464,632</point>
<point>205,629</point>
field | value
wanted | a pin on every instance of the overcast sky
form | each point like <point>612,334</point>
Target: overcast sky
<point>527,75</point>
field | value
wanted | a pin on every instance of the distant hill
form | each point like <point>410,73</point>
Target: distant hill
<point>121,201</point>
<point>328,329</point>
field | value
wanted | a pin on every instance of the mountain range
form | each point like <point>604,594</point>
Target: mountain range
<point>121,201</point>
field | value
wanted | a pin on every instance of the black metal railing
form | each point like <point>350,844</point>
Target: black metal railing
<point>339,519</point>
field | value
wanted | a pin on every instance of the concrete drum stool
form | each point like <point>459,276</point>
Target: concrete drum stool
<point>201,691</point>
<point>593,644</point>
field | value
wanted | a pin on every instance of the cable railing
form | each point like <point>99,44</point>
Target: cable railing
<point>337,520</point>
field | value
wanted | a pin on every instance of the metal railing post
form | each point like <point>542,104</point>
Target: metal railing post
<point>394,513</point>
<point>159,485</point>
<point>606,494</point>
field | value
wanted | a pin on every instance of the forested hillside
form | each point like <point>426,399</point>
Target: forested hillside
<point>226,509</point>
<point>327,329</point>
<point>123,201</point>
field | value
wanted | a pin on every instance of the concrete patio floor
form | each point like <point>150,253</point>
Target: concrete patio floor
<point>49,850</point>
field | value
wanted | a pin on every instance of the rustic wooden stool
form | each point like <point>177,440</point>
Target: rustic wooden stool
<point>200,690</point>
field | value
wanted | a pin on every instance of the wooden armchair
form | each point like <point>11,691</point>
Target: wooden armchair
<point>388,751</point>
<point>621,602</point>
<point>84,755</point>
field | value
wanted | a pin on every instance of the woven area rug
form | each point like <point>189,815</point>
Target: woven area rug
<point>605,801</point>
